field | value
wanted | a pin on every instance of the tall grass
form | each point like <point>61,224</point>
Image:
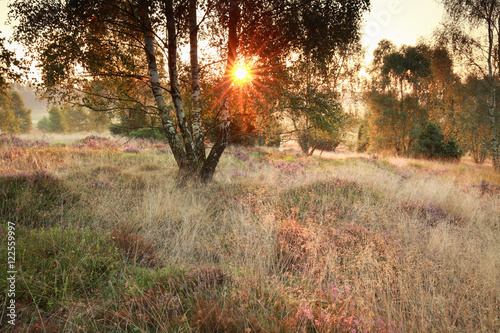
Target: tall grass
<point>277,242</point>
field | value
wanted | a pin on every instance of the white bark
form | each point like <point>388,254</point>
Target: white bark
<point>170,129</point>
<point>174,84</point>
<point>195,81</point>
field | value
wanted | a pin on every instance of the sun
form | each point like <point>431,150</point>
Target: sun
<point>241,73</point>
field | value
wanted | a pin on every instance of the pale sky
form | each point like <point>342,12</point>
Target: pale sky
<point>401,21</point>
<point>3,17</point>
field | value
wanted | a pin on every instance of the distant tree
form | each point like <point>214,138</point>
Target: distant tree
<point>70,118</point>
<point>22,114</point>
<point>473,32</point>
<point>311,105</point>
<point>412,86</point>
<point>313,93</point>
<point>44,124</point>
<point>444,91</point>
<point>397,95</point>
<point>56,120</point>
<point>472,120</point>
<point>8,121</point>
<point>125,42</point>
<point>74,118</point>
<point>14,116</point>
<point>79,119</point>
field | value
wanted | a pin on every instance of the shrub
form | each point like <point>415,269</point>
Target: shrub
<point>320,140</point>
<point>327,144</point>
<point>117,129</point>
<point>95,142</point>
<point>431,144</point>
<point>451,150</point>
<point>148,133</point>
<point>272,140</point>
<point>132,150</point>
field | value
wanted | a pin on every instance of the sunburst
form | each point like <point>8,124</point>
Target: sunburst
<point>242,73</point>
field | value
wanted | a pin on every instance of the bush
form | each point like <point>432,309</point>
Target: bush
<point>327,144</point>
<point>451,150</point>
<point>270,141</point>
<point>152,133</point>
<point>319,140</point>
<point>116,129</point>
<point>148,133</point>
<point>95,142</point>
<point>431,144</point>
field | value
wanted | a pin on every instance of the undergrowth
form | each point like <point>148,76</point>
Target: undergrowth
<point>107,242</point>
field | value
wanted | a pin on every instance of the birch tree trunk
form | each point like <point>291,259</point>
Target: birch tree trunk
<point>188,147</point>
<point>220,145</point>
<point>195,83</point>
<point>192,159</point>
<point>170,129</point>
<point>495,144</point>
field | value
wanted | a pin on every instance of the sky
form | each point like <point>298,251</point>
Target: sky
<point>6,31</point>
<point>401,21</point>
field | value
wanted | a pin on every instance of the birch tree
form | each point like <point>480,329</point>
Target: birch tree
<point>397,95</point>
<point>480,47</point>
<point>91,49</point>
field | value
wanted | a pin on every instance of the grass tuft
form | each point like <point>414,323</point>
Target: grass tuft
<point>278,242</point>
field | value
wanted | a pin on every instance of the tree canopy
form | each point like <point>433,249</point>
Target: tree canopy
<point>116,55</point>
<point>414,90</point>
<point>8,62</point>
<point>472,31</point>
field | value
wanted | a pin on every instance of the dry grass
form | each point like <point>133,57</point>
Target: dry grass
<point>312,244</point>
<point>52,138</point>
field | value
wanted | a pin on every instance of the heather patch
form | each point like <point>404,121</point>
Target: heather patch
<point>95,142</point>
<point>35,199</point>
<point>322,201</point>
<point>10,140</point>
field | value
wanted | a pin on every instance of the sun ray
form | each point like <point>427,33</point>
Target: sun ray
<point>242,72</point>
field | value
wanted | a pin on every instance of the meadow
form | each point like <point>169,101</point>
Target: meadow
<point>107,242</point>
